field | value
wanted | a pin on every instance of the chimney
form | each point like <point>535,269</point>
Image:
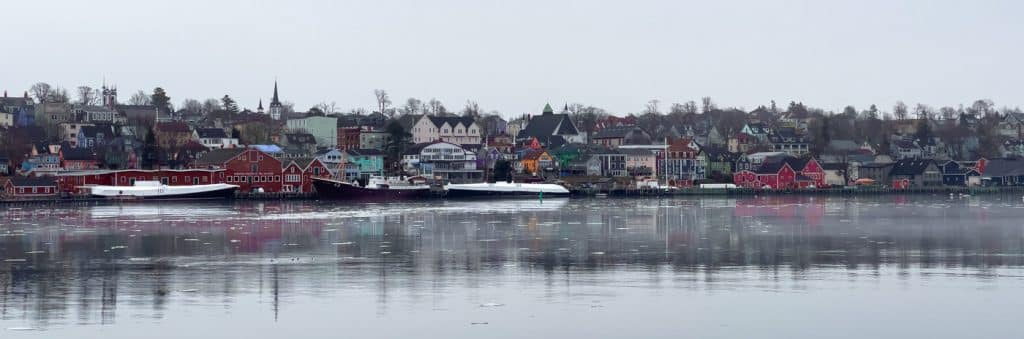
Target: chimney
<point>5,93</point>
<point>26,95</point>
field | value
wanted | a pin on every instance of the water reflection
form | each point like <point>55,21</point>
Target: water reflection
<point>85,265</point>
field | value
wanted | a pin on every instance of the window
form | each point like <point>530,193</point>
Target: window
<point>163,180</point>
<point>254,168</point>
<point>277,178</point>
<point>174,180</point>
<point>316,170</point>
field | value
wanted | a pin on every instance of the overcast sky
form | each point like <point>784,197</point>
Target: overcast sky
<point>513,56</point>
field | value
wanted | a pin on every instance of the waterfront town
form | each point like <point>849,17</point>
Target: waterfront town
<point>54,145</point>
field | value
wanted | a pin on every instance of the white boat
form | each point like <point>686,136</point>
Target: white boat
<point>157,190</point>
<point>504,189</point>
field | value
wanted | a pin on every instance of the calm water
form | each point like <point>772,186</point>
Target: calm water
<point>775,267</point>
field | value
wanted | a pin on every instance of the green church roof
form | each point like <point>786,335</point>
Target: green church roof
<point>547,108</point>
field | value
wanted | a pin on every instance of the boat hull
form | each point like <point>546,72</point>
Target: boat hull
<point>337,190</point>
<point>223,193</point>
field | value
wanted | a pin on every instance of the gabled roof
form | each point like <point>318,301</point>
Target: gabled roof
<point>302,163</point>
<point>548,124</point>
<point>219,156</point>
<point>910,166</point>
<point>211,133</point>
<point>451,121</point>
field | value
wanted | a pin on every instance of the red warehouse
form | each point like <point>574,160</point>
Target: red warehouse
<point>246,167</point>
<point>299,174</point>
<point>75,182</point>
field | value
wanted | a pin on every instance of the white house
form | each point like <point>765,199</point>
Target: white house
<point>442,160</point>
<point>456,130</point>
<point>214,138</point>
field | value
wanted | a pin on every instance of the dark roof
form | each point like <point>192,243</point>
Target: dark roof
<point>364,152</point>
<point>613,132</point>
<point>833,166</point>
<point>92,131</point>
<point>172,127</point>
<point>33,181</point>
<point>219,156</point>
<point>548,124</point>
<point>876,165</point>
<point>211,133</point>
<point>770,167</point>
<point>451,121</point>
<point>1004,167</point>
<point>797,164</point>
<point>71,153</point>
<point>910,166</point>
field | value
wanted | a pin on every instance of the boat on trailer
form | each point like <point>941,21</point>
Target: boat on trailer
<point>505,190</point>
<point>155,190</point>
<point>376,189</point>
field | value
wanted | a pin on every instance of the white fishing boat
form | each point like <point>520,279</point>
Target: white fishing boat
<point>504,189</point>
<point>157,190</point>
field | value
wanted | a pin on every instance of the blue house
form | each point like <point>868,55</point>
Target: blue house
<point>957,174</point>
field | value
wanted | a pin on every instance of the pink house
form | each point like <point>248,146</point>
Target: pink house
<point>640,162</point>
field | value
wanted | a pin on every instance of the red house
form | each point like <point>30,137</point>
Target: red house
<point>79,158</point>
<point>299,173</point>
<point>246,167</point>
<point>784,173</point>
<point>29,187</point>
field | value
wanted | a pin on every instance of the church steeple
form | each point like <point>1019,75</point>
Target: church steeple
<point>275,100</point>
<point>276,108</point>
<point>260,107</point>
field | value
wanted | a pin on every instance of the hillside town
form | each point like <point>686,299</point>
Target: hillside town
<point>53,145</point>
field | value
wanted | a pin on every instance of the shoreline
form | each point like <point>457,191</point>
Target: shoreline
<point>617,193</point>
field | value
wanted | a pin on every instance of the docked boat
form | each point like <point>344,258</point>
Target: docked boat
<point>505,190</point>
<point>376,189</point>
<point>155,190</point>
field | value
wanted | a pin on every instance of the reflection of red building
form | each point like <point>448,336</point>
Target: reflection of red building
<point>299,174</point>
<point>783,174</point>
<point>246,167</point>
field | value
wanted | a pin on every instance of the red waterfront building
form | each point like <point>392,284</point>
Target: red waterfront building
<point>249,168</point>
<point>786,173</point>
<point>299,173</point>
<point>77,182</point>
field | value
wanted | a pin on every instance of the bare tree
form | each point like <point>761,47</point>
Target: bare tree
<point>924,112</point>
<point>947,113</point>
<point>707,105</point>
<point>210,105</point>
<point>358,111</point>
<point>472,109</point>
<point>140,98</point>
<point>383,101</point>
<point>412,106</point>
<point>87,96</point>
<point>192,105</point>
<point>327,108</point>
<point>652,107</point>
<point>41,91</point>
<point>900,110</point>
<point>982,107</point>
<point>59,94</point>
<point>436,107</point>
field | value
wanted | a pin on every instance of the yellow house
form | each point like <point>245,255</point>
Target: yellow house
<point>536,161</point>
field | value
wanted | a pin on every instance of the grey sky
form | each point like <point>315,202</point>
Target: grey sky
<point>513,56</point>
